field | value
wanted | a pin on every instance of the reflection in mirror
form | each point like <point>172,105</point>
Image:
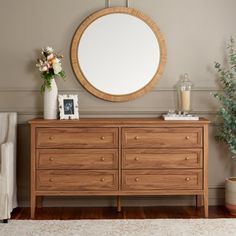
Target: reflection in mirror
<point>118,54</point>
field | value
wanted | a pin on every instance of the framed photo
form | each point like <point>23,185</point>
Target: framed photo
<point>68,107</point>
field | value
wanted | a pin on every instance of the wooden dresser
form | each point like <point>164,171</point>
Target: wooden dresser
<point>119,157</point>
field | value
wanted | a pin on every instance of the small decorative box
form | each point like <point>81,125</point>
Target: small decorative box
<point>180,117</point>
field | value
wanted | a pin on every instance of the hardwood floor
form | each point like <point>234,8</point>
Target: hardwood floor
<point>70,213</point>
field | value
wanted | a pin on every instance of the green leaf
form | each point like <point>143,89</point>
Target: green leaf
<point>227,99</point>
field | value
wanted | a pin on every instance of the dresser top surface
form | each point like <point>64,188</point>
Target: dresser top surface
<point>117,121</point>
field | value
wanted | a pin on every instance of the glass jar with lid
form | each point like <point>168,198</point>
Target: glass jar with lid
<point>185,87</point>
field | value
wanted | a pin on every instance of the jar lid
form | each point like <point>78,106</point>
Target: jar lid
<point>186,83</point>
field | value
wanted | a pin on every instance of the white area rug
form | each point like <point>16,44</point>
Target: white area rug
<point>156,227</point>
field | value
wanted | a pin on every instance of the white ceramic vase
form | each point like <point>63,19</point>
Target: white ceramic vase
<point>50,101</point>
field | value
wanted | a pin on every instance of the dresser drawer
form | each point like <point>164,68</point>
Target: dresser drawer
<point>76,137</point>
<point>161,137</point>
<point>72,180</point>
<point>161,158</point>
<point>77,159</point>
<point>161,179</point>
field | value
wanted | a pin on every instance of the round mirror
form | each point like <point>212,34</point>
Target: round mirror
<point>118,54</point>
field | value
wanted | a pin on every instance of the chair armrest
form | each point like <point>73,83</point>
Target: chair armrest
<point>7,158</point>
<point>11,136</point>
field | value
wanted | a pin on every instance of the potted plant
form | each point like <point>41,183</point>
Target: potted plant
<point>49,65</point>
<point>227,113</point>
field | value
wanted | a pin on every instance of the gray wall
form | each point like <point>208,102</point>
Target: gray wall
<point>196,32</point>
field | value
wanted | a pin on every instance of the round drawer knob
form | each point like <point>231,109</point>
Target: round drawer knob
<point>187,137</point>
<point>51,159</point>
<point>136,158</point>
<point>102,180</point>
<point>187,179</point>
<point>102,138</point>
<point>187,158</point>
<point>136,179</point>
<point>50,180</point>
<point>51,137</point>
<point>102,159</point>
<point>136,137</point>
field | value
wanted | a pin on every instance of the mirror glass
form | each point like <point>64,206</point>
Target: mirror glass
<point>117,54</point>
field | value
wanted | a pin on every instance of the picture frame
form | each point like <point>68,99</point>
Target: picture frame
<point>68,107</point>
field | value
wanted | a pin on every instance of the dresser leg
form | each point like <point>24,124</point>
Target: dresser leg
<point>32,206</point>
<point>206,205</point>
<point>199,200</point>
<point>118,204</point>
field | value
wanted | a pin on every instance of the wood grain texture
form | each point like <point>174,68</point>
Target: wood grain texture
<point>77,180</point>
<point>205,181</point>
<point>32,172</point>
<point>161,159</point>
<point>162,137</point>
<point>103,157</point>
<point>75,62</point>
<point>77,138</point>
<point>157,192</point>
<point>161,179</point>
<point>114,122</point>
<point>77,159</point>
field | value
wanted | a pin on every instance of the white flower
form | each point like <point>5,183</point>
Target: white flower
<point>57,68</point>
<point>56,60</point>
<point>48,64</point>
<point>48,50</point>
<point>43,68</point>
<point>40,63</point>
<point>50,57</point>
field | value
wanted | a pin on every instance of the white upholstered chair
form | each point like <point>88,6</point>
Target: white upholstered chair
<point>8,198</point>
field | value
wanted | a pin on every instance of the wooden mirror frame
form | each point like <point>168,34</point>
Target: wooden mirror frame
<point>75,63</point>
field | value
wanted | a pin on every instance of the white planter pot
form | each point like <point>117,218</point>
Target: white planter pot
<point>50,102</point>
<point>230,194</point>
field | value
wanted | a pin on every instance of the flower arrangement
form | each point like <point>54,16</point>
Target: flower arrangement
<point>49,65</point>
<point>227,99</point>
